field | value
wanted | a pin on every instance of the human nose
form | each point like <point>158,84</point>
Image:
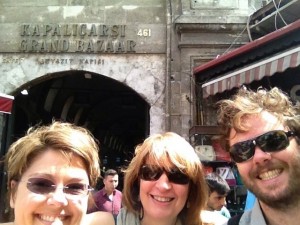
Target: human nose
<point>223,201</point>
<point>58,197</point>
<point>260,156</point>
<point>163,182</point>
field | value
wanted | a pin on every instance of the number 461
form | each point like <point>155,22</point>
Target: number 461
<point>144,32</point>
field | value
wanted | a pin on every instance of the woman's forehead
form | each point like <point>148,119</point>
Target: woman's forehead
<point>161,162</point>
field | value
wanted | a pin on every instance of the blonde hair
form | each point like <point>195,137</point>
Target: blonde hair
<point>231,112</point>
<point>64,137</point>
<point>167,150</point>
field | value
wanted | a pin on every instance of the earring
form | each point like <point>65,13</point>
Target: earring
<point>141,214</point>
<point>188,205</point>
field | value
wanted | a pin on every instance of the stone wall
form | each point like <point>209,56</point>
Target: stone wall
<point>125,41</point>
<point>150,46</point>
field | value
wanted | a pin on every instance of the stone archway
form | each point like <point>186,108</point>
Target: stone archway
<point>116,115</point>
<point>142,76</point>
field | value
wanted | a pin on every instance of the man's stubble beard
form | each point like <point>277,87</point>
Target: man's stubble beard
<point>286,198</point>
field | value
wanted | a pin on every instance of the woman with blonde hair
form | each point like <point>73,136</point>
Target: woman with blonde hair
<point>164,184</point>
<point>51,171</point>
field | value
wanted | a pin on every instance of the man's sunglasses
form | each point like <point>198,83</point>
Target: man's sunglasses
<point>153,173</point>
<point>271,141</point>
<point>44,186</point>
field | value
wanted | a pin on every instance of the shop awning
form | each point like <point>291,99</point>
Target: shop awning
<point>6,102</point>
<point>256,71</point>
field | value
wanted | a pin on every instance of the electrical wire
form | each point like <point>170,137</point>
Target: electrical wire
<point>278,13</point>
<point>248,28</point>
<point>234,41</point>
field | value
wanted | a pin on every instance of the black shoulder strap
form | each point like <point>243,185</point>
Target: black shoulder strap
<point>235,219</point>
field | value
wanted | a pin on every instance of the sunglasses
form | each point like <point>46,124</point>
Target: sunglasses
<point>153,173</point>
<point>44,186</point>
<point>271,141</point>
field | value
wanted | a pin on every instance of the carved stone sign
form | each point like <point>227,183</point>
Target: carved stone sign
<point>86,38</point>
<point>90,38</point>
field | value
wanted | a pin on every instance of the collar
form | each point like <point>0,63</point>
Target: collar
<point>104,192</point>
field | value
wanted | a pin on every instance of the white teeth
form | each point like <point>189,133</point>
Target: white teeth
<point>50,218</point>
<point>162,199</point>
<point>269,174</point>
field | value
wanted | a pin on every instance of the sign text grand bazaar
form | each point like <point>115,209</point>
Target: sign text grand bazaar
<point>88,38</point>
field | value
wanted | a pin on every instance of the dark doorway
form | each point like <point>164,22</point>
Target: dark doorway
<point>116,115</point>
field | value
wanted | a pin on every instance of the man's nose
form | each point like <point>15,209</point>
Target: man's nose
<point>224,201</point>
<point>260,156</point>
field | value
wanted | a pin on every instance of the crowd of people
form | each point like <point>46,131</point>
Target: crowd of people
<point>53,170</point>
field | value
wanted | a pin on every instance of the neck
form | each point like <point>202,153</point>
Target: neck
<point>151,221</point>
<point>108,192</point>
<point>274,216</point>
<point>209,208</point>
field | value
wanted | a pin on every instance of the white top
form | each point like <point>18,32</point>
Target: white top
<point>213,217</point>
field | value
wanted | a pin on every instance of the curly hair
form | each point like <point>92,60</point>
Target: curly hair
<point>167,150</point>
<point>244,103</point>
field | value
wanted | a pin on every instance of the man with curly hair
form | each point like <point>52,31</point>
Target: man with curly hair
<point>261,132</point>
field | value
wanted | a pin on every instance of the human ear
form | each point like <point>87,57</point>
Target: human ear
<point>13,192</point>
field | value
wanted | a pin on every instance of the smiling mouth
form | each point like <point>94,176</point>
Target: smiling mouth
<point>51,218</point>
<point>162,199</point>
<point>270,174</point>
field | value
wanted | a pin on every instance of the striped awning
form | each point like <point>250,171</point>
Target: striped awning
<point>256,71</point>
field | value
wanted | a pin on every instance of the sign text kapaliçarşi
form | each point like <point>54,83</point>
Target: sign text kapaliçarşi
<point>88,38</point>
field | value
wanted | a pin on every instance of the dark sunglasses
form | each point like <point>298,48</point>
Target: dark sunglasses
<point>44,186</point>
<point>271,141</point>
<point>153,173</point>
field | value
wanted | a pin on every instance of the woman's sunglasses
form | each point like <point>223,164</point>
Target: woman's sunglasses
<point>153,173</point>
<point>271,141</point>
<point>44,186</point>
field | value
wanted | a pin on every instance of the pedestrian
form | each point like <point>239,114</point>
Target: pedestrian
<point>51,171</point>
<point>164,184</point>
<point>216,204</point>
<point>261,132</point>
<point>109,198</point>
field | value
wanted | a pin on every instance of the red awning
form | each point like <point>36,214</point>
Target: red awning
<point>267,67</point>
<point>6,102</point>
<point>245,49</point>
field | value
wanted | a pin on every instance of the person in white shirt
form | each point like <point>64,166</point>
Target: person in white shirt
<point>218,191</point>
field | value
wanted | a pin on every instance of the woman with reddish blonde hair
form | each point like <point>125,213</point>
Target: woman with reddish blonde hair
<point>164,183</point>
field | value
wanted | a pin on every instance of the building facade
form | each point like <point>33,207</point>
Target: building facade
<point>149,47</point>
<point>123,69</point>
